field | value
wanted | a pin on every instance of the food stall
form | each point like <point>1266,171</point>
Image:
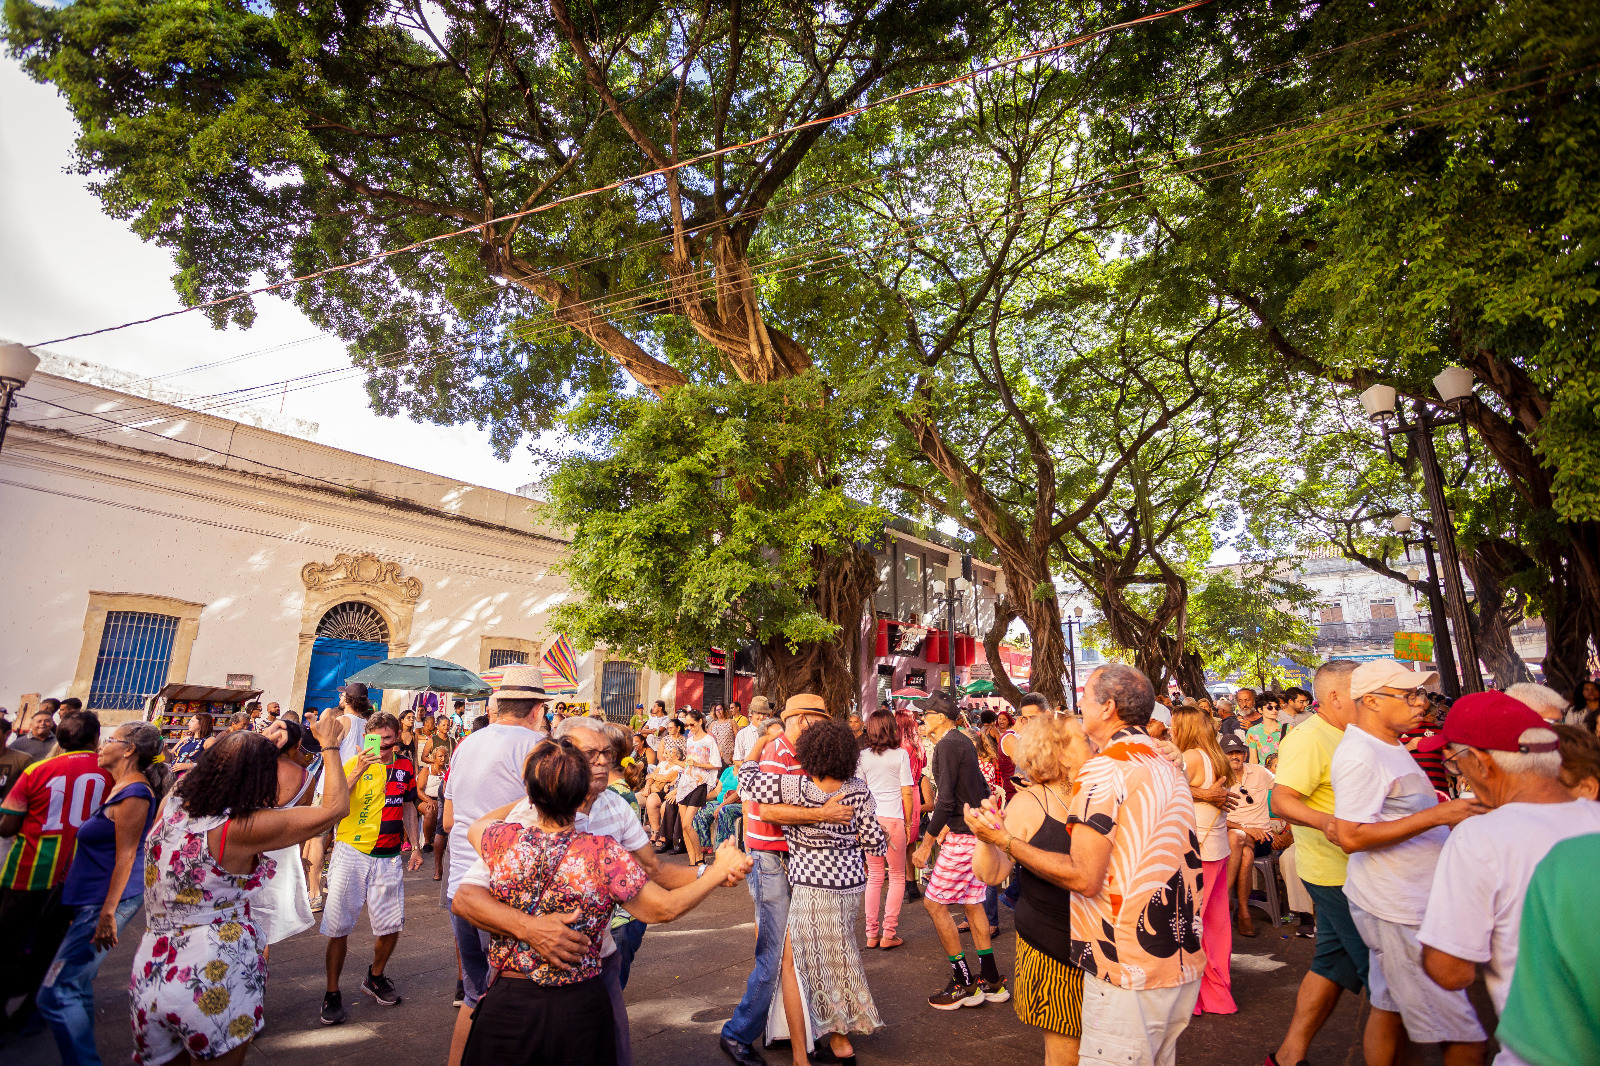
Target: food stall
<point>171,708</point>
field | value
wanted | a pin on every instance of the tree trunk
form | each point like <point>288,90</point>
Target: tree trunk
<point>1043,618</point>
<point>830,669</point>
<point>1004,687</point>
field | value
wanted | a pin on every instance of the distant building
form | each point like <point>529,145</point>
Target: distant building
<point>148,541</point>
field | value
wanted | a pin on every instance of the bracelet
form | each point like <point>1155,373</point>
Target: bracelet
<point>1007,849</point>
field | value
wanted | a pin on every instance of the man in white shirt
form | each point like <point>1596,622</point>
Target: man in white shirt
<point>654,725</point>
<point>486,773</point>
<point>744,741</point>
<point>604,813</point>
<point>1390,822</point>
<point>1513,764</point>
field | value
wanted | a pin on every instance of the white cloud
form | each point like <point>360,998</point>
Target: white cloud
<point>66,267</point>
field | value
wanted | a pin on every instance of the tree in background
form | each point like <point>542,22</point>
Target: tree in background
<point>1250,621</point>
<point>281,139</point>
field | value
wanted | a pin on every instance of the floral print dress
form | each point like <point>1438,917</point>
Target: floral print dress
<point>198,976</point>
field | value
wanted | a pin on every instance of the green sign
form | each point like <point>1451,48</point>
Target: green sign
<point>1414,647</point>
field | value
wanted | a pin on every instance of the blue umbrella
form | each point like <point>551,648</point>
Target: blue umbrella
<point>419,672</point>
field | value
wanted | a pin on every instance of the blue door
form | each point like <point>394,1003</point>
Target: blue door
<point>333,662</point>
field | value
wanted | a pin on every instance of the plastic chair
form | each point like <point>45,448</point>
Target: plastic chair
<point>1268,870</point>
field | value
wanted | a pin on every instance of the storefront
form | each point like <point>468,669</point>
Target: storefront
<point>715,682</point>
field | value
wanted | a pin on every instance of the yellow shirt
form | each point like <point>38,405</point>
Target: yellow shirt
<point>741,721</point>
<point>1304,758</point>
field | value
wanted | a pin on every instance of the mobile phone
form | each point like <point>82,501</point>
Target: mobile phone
<point>371,743</point>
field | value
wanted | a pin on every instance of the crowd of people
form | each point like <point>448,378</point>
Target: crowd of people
<point>1419,841</point>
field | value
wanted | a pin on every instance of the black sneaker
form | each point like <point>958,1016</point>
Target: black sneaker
<point>995,992</point>
<point>332,1008</point>
<point>380,988</point>
<point>954,997</point>
<point>461,996</point>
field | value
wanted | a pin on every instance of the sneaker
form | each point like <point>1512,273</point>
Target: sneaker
<point>995,992</point>
<point>461,996</point>
<point>954,997</point>
<point>332,1008</point>
<point>317,902</point>
<point>381,989</point>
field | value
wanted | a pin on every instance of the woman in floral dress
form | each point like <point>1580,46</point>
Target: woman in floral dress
<point>199,978</point>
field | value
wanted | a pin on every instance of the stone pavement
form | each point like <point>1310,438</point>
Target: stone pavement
<point>685,982</point>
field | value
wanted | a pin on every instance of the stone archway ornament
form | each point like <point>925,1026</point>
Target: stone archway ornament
<point>364,569</point>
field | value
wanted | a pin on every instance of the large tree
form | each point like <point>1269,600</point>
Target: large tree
<point>1390,189</point>
<point>279,139</point>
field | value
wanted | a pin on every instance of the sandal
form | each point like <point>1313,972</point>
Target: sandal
<point>872,941</point>
<point>889,942</point>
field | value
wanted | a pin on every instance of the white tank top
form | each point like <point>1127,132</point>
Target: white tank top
<point>1211,825</point>
<point>350,746</point>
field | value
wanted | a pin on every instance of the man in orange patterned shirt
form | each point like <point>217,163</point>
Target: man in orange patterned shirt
<point>1134,872</point>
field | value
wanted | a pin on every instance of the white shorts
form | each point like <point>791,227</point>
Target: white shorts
<point>1397,983</point>
<point>356,879</point>
<point>1128,1027</point>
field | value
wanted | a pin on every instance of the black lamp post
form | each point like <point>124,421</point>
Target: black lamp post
<point>1444,656</point>
<point>17,365</point>
<point>1073,619</point>
<point>1455,389</point>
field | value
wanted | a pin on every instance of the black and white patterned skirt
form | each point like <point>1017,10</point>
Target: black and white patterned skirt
<point>822,932</point>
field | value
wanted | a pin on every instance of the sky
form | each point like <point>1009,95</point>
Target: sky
<point>66,267</point>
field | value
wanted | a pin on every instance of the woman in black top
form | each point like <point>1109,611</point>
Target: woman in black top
<point>1047,991</point>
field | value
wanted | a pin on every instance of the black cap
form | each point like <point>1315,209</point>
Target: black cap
<point>941,702</point>
<point>355,690</point>
<point>1232,744</point>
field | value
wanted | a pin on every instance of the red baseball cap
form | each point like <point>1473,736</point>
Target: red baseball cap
<point>1489,721</point>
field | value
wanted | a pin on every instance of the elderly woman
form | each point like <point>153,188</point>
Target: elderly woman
<point>539,1012</point>
<point>1026,836</point>
<point>101,888</point>
<point>827,878</point>
<point>199,979</point>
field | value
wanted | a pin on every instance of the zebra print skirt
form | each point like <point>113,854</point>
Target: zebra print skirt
<point>822,933</point>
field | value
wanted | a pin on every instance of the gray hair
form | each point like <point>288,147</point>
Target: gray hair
<point>1128,688</point>
<point>145,741</point>
<point>1546,702</point>
<point>768,723</point>
<point>567,727</point>
<point>1332,675</point>
<point>1531,763</point>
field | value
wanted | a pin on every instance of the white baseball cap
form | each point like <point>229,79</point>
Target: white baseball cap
<point>1369,677</point>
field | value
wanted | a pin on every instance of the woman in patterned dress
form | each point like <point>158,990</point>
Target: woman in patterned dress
<point>537,1013</point>
<point>199,978</point>
<point>828,880</point>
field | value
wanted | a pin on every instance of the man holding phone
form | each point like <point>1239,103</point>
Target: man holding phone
<point>366,866</point>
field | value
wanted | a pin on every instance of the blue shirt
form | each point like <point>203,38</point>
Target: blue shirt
<point>89,879</point>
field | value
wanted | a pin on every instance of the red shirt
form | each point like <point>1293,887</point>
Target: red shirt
<point>59,795</point>
<point>776,758</point>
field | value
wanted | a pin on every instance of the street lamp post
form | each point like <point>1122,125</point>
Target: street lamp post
<point>17,365</point>
<point>1074,619</point>
<point>1455,389</point>
<point>1444,656</point>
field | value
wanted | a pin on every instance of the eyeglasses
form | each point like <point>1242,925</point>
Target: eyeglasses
<point>597,756</point>
<point>1451,761</point>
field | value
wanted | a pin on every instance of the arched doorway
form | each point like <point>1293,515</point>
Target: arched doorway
<point>351,636</point>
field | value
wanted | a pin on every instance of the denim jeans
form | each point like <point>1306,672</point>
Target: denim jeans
<point>769,885</point>
<point>472,944</point>
<point>628,936</point>
<point>66,999</point>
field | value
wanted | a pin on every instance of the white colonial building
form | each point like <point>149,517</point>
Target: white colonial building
<point>145,542</point>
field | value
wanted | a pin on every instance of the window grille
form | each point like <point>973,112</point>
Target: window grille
<point>506,657</point>
<point>354,621</point>
<point>135,652</point>
<point>619,689</point>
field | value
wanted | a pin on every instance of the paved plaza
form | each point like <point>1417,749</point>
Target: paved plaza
<point>685,982</point>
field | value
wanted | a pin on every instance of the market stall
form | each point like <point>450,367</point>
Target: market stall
<point>171,708</point>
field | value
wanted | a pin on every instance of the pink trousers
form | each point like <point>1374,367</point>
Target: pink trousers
<point>1216,937</point>
<point>896,894</point>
